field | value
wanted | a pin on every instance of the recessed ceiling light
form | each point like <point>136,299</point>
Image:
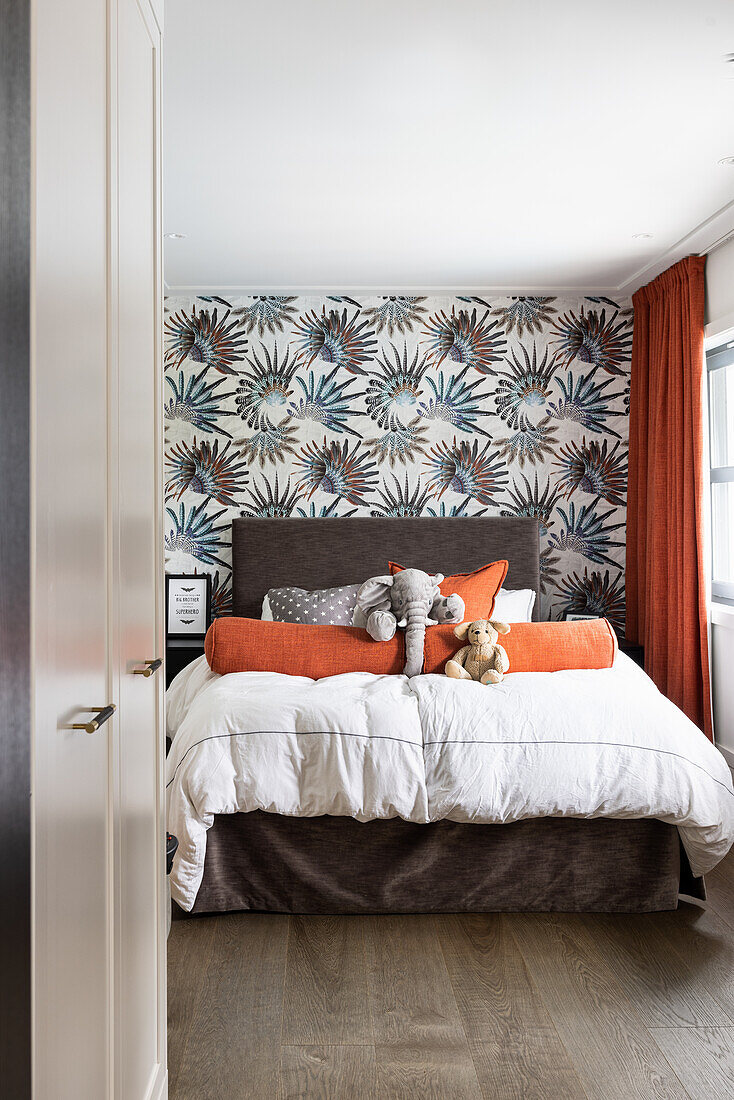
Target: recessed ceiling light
<point>175,236</point>
<point>641,236</point>
<point>727,161</point>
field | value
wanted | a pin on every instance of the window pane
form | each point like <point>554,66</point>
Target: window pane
<point>722,522</point>
<point>721,411</point>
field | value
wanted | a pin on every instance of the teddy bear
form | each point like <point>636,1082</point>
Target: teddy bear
<point>483,659</point>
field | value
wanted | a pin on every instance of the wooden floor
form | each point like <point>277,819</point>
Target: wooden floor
<point>501,1006</point>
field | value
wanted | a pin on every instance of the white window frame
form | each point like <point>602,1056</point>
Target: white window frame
<point>719,355</point>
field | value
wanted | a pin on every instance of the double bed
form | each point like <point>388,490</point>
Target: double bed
<point>566,791</point>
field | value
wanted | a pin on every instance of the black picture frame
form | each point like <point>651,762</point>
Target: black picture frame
<point>201,581</point>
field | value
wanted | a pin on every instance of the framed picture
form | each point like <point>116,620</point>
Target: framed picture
<point>188,605</point>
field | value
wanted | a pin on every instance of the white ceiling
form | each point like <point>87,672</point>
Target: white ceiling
<point>417,144</point>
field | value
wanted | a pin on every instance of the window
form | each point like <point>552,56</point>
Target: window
<point>720,364</point>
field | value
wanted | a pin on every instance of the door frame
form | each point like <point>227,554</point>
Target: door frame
<point>15,545</point>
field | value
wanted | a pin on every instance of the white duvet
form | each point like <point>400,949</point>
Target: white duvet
<point>570,744</point>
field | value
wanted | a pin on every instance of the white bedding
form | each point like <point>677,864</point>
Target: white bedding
<point>575,744</point>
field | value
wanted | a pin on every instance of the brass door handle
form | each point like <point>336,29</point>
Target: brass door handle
<point>100,717</point>
<point>152,664</point>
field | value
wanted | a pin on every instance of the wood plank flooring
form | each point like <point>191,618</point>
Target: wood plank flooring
<point>500,1006</point>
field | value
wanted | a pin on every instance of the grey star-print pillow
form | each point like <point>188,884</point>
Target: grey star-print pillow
<point>323,607</point>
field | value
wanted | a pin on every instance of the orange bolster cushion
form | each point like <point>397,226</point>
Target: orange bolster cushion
<point>536,647</point>
<point>251,645</point>
<point>477,589</point>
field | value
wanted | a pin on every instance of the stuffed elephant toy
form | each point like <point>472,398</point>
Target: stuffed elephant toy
<point>410,599</point>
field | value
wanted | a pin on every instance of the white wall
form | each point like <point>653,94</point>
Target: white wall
<point>720,289</point>
<point>722,662</point>
<point>719,318</point>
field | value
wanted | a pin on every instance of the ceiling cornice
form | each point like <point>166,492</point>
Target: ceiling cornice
<point>706,236</point>
<point>367,291</point>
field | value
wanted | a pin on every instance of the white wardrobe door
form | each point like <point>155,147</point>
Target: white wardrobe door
<point>139,825</point>
<point>70,776</point>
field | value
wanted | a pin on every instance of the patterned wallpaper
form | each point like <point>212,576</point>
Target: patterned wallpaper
<point>402,406</point>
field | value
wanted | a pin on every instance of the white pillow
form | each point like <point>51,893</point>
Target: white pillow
<point>267,614</point>
<point>514,606</point>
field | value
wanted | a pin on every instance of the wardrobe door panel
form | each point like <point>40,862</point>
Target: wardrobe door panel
<point>70,779</point>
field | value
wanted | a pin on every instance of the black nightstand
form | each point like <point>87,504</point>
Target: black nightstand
<point>633,650</point>
<point>181,652</point>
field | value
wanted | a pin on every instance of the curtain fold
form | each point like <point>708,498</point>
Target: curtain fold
<point>666,600</point>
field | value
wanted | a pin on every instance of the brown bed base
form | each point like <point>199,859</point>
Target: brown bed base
<point>261,861</point>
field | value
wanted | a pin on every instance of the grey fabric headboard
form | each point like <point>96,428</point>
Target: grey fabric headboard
<point>322,553</point>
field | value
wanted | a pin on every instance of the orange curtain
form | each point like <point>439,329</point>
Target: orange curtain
<point>666,605</point>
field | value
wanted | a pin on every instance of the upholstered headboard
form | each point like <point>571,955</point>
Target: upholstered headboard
<point>322,553</point>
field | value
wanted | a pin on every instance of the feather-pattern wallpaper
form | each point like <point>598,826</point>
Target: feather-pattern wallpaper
<point>402,406</point>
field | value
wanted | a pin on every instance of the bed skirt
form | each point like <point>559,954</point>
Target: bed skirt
<point>266,862</point>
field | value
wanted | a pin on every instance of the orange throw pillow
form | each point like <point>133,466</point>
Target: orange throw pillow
<point>478,589</point>
<point>536,647</point>
<point>254,645</point>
